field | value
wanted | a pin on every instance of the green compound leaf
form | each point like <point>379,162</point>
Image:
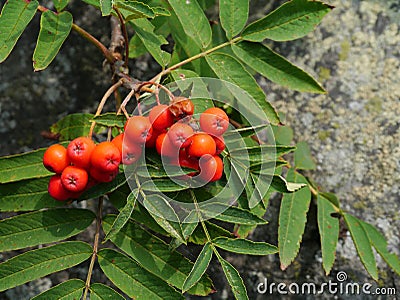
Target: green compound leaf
<point>332,198</point>
<point>233,15</point>
<point>23,166</point>
<point>193,20</point>
<point>292,20</point>
<point>155,256</point>
<point>275,67</point>
<point>152,41</point>
<point>26,195</point>
<point>41,262</point>
<point>110,120</point>
<point>131,10</point>
<point>14,18</point>
<point>163,185</point>
<point>245,131</point>
<point>54,29</point>
<point>328,227</point>
<point>269,152</point>
<point>198,237</point>
<point>72,126</point>
<point>302,157</point>
<point>136,47</point>
<point>362,243</point>
<point>163,213</point>
<point>281,185</point>
<point>139,214</point>
<point>292,220</point>
<point>228,68</point>
<point>185,46</point>
<point>70,289</point>
<point>244,246</point>
<point>199,267</point>
<point>124,215</point>
<point>43,227</point>
<point>132,279</point>
<point>380,244</point>
<point>234,279</point>
<point>106,7</point>
<point>100,291</point>
<point>60,4</point>
<point>232,214</point>
<point>283,134</point>
<point>156,171</point>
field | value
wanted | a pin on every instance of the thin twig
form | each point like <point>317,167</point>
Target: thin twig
<point>142,86</point>
<point>104,100</point>
<point>124,103</point>
<point>95,247</point>
<point>117,39</point>
<point>107,54</point>
<point>190,59</point>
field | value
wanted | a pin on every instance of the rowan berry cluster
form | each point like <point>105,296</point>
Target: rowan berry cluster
<point>171,129</point>
<point>187,142</point>
<point>80,166</point>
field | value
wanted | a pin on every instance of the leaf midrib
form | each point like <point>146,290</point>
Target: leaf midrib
<point>132,278</point>
<point>160,259</point>
<point>287,226</point>
<point>280,24</point>
<point>38,228</point>
<point>198,28</point>
<point>42,263</point>
<point>16,23</point>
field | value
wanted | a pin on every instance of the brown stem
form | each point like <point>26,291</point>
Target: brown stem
<point>95,246</point>
<point>117,40</point>
<point>107,54</point>
<point>125,33</point>
<point>124,103</point>
<point>142,87</point>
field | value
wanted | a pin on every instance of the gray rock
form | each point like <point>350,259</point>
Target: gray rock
<point>353,131</point>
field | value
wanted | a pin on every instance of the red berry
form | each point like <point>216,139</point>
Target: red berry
<point>55,158</point>
<point>179,134</point>
<point>131,153</point>
<point>161,117</point>
<point>214,121</point>
<point>79,152</point>
<point>74,179</point>
<point>211,168</point>
<point>164,146</point>
<point>201,144</point>
<point>118,141</point>
<point>57,190</point>
<point>138,129</point>
<point>220,144</point>
<point>101,176</point>
<point>106,157</point>
<point>151,143</point>
<point>188,162</point>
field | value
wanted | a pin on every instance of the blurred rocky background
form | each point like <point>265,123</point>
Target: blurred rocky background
<point>353,131</point>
